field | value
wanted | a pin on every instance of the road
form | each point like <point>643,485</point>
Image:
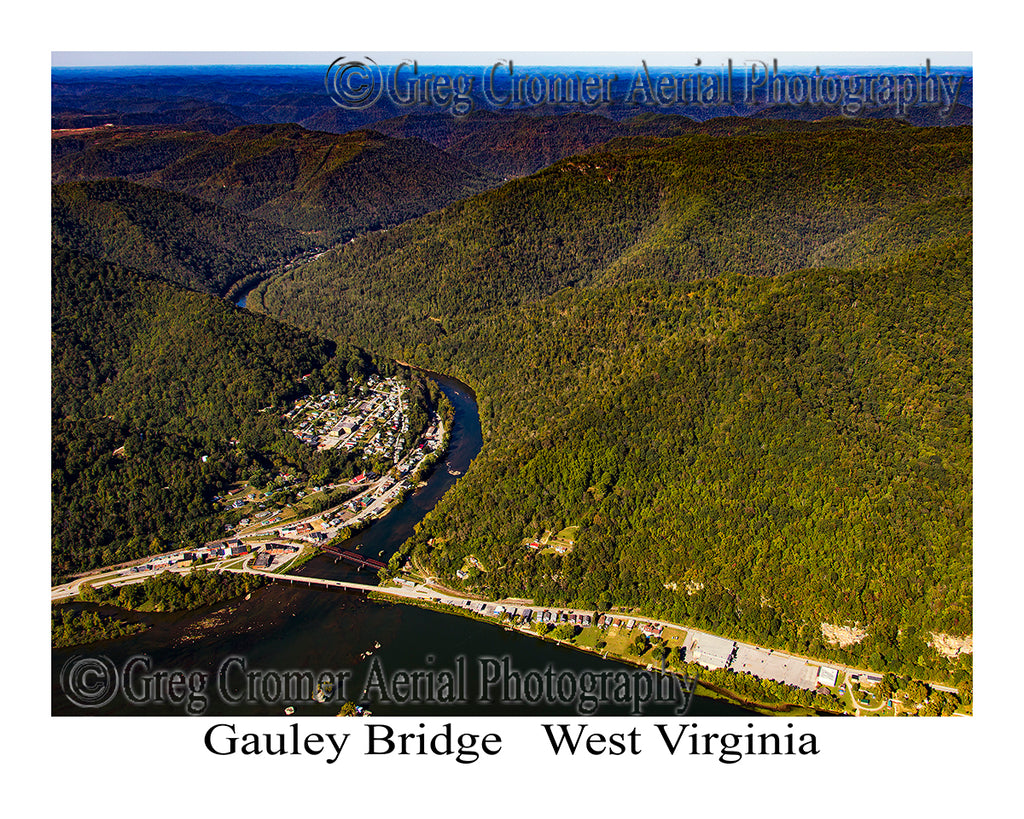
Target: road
<point>759,661</point>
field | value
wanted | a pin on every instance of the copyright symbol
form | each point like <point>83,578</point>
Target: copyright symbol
<point>89,682</point>
<point>353,84</point>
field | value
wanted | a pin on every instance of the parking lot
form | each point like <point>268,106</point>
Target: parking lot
<point>772,665</point>
<point>767,664</point>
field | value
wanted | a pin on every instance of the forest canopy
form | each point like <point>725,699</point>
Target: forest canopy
<point>161,399</point>
<point>740,364</point>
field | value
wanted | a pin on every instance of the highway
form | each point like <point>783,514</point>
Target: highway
<point>757,660</point>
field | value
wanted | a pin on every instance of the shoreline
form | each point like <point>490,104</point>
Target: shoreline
<point>705,689</point>
<point>431,599</point>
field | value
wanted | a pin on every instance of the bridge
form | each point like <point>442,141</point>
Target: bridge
<point>417,592</point>
<point>353,557</point>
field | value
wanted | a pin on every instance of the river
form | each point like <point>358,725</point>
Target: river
<point>240,301</point>
<point>283,627</point>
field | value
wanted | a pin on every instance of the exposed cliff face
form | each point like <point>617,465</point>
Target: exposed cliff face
<point>949,645</point>
<point>842,636</point>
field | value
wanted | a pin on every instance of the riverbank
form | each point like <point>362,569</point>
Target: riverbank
<point>703,689</point>
<point>240,289</point>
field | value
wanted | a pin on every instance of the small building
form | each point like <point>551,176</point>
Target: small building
<point>280,549</point>
<point>828,676</point>
<point>711,651</point>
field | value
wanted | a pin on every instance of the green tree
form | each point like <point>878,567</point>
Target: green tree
<point>564,631</point>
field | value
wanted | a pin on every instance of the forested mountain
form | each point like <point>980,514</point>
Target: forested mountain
<point>683,209</point>
<point>507,143</point>
<point>157,395</point>
<point>669,354</point>
<point>217,99</point>
<point>328,186</point>
<point>125,153</point>
<point>196,244</point>
<point>518,144</point>
<point>334,186</point>
<point>962,114</point>
<point>211,98</point>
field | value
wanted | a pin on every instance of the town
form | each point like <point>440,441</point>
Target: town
<point>277,537</point>
<point>376,422</point>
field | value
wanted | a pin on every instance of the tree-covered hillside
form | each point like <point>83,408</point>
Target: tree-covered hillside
<point>512,144</point>
<point>157,404</point>
<point>180,238</point>
<point>740,364</point>
<point>124,153</point>
<point>682,208</point>
<point>330,186</point>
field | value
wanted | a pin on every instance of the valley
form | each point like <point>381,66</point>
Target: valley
<point>723,368</point>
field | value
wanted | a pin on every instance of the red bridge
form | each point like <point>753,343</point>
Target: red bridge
<point>354,557</point>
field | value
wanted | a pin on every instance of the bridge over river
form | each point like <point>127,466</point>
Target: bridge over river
<point>352,557</point>
<point>409,592</point>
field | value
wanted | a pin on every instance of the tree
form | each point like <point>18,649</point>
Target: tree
<point>637,647</point>
<point>564,631</point>
<point>917,691</point>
